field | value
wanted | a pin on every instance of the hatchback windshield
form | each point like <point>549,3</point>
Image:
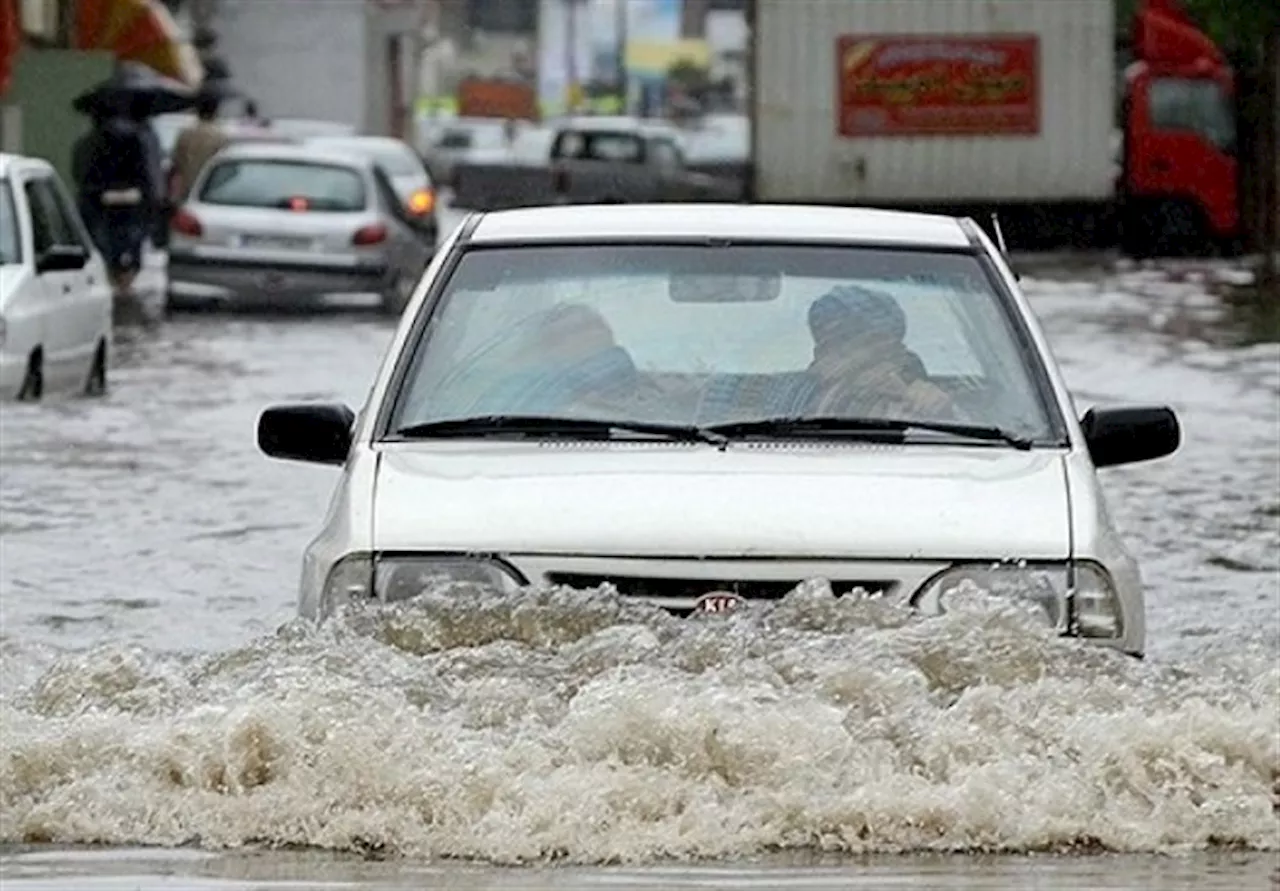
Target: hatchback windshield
<point>10,247</point>
<point>282,184</point>
<point>703,335</point>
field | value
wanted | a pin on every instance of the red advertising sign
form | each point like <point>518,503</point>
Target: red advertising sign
<point>948,85</point>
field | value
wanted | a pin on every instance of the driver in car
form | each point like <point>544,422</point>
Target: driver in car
<point>861,364</point>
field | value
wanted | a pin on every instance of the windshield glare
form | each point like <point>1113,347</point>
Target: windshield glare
<point>254,183</point>
<point>694,335</point>
<point>10,245</point>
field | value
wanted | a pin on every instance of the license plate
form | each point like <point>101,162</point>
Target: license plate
<point>276,242</point>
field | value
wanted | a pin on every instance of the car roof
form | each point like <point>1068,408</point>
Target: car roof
<point>615,124</point>
<point>357,139</point>
<point>270,150</point>
<point>750,222</point>
<point>10,162</point>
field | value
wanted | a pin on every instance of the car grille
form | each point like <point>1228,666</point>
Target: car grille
<point>678,595</point>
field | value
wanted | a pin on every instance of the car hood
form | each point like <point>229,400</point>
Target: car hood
<point>820,500</point>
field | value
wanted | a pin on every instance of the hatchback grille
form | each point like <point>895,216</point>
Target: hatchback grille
<point>679,594</point>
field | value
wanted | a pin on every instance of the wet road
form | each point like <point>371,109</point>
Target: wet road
<point>149,554</point>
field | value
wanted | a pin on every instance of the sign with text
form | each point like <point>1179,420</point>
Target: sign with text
<point>953,85</point>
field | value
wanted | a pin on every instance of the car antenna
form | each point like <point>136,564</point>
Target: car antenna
<point>995,224</point>
<point>1004,248</point>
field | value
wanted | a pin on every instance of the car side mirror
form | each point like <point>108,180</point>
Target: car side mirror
<point>62,258</point>
<point>1128,435</point>
<point>319,433</point>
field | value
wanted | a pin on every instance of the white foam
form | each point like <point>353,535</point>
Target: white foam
<point>571,725</point>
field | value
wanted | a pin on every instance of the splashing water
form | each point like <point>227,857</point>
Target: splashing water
<point>578,726</point>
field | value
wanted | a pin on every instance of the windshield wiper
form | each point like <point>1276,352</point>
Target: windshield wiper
<point>836,426</point>
<point>544,426</point>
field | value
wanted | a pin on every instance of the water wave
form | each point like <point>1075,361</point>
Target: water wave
<point>573,725</point>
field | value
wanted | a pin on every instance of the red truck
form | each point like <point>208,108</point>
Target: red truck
<point>1178,177</point>
<point>1016,107</point>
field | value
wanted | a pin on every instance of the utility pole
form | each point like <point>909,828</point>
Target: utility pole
<point>571,47</point>
<point>620,15</point>
<point>425,35</point>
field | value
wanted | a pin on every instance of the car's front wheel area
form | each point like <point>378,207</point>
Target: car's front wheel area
<point>96,383</point>
<point>32,388</point>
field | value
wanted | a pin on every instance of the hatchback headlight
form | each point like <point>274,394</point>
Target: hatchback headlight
<point>1076,598</point>
<point>392,578</point>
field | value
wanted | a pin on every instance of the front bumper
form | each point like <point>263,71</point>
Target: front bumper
<point>214,277</point>
<point>679,585</point>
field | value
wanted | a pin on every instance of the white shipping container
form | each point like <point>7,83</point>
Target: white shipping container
<point>801,156</point>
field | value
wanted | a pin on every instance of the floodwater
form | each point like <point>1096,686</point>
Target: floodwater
<point>163,724</point>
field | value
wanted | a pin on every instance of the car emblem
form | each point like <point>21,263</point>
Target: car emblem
<point>718,602</point>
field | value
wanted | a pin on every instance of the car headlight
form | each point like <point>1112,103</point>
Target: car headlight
<point>1075,598</point>
<point>1095,607</point>
<point>396,577</point>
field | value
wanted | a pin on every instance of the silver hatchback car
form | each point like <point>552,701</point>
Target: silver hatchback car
<point>288,224</point>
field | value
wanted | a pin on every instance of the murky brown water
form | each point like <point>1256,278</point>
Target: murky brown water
<point>149,555</point>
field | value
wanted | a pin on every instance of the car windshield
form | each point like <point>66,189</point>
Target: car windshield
<point>10,245</point>
<point>280,183</point>
<point>710,335</point>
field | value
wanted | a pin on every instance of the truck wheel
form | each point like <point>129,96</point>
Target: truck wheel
<point>1180,230</point>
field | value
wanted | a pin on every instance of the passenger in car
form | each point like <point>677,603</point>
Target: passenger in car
<point>570,360</point>
<point>861,364</point>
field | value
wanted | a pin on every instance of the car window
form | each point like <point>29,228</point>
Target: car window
<point>1195,105</point>
<point>665,155</point>
<point>514,325</point>
<point>70,226</point>
<point>10,237</point>
<point>47,225</point>
<point>454,139</point>
<point>279,183</point>
<point>618,147</point>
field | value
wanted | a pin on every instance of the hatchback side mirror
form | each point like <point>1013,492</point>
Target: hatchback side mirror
<point>62,258</point>
<point>319,433</point>
<point>1129,435</point>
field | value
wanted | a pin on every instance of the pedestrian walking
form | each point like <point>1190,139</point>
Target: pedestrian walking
<point>197,143</point>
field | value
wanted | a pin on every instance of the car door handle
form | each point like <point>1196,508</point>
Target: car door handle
<point>66,289</point>
<point>1160,165</point>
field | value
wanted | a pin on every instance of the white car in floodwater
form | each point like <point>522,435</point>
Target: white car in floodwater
<point>55,298</point>
<point>704,405</point>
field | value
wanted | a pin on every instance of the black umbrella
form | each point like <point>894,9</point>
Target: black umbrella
<point>135,89</point>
